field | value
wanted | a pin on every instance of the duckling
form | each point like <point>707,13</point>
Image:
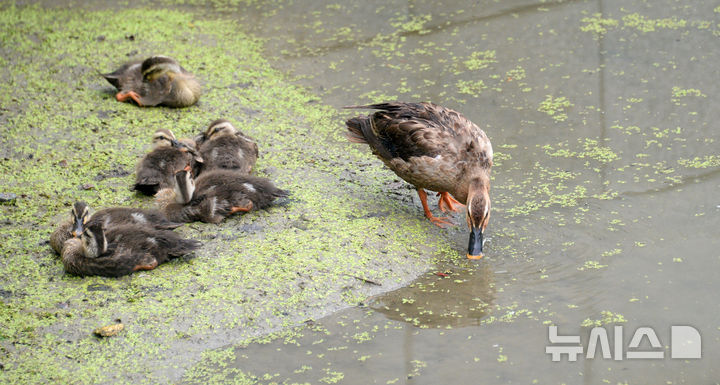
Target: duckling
<point>120,250</point>
<point>156,169</point>
<point>114,216</point>
<point>215,195</point>
<point>222,146</point>
<point>433,148</point>
<point>158,80</point>
<point>188,145</point>
<point>69,228</point>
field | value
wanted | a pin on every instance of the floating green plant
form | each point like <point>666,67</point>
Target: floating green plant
<point>597,24</point>
<point>555,107</point>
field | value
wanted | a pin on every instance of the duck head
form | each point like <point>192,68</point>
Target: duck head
<point>184,185</point>
<point>93,239</point>
<point>478,215</point>
<point>188,145</point>
<point>157,66</point>
<point>80,216</point>
<point>220,127</point>
<point>164,138</point>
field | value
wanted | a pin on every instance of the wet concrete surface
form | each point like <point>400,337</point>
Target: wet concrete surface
<point>605,192</point>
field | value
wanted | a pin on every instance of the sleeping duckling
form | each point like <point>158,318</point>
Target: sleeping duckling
<point>120,250</point>
<point>113,216</point>
<point>215,195</point>
<point>222,146</point>
<point>156,169</point>
<point>158,80</point>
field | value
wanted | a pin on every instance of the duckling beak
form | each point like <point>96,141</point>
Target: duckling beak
<point>77,227</point>
<point>475,244</point>
<point>176,144</point>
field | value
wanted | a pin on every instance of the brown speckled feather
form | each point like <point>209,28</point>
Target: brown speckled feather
<point>129,248</point>
<point>114,216</point>
<point>429,146</point>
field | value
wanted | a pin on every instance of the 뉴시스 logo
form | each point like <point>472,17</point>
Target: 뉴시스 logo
<point>685,343</point>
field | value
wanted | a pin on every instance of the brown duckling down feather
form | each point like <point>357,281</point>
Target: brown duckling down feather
<point>223,146</point>
<point>158,80</point>
<point>120,250</point>
<point>216,195</point>
<point>433,148</point>
<point>114,216</point>
<point>156,169</point>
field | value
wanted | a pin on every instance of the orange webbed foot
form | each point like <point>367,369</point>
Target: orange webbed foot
<point>149,266</point>
<point>123,96</point>
<point>437,221</point>
<point>448,203</point>
<point>244,209</point>
<point>441,222</point>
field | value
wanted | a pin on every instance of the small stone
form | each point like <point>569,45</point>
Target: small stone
<point>8,197</point>
<point>88,186</point>
<point>63,163</point>
<point>100,38</point>
<point>98,287</point>
<point>109,331</point>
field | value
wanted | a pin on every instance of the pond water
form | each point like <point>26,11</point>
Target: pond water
<point>606,204</point>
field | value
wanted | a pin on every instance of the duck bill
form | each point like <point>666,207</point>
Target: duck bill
<point>77,227</point>
<point>176,144</point>
<point>475,244</point>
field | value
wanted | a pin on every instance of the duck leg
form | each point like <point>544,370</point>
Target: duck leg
<point>438,221</point>
<point>148,266</point>
<point>123,96</point>
<point>447,202</point>
<point>245,208</point>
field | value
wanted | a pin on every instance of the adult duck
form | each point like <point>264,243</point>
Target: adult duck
<point>433,148</point>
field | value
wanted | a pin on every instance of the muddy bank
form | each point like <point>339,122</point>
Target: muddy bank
<point>348,222</point>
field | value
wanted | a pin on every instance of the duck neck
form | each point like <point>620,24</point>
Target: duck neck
<point>479,184</point>
<point>478,203</point>
<point>94,243</point>
<point>184,187</point>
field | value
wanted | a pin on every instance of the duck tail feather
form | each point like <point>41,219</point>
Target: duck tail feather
<point>361,131</point>
<point>355,134</point>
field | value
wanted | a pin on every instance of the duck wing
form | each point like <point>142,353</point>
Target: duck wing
<point>407,130</point>
<point>427,129</point>
<point>429,146</point>
<point>125,77</point>
<point>60,235</point>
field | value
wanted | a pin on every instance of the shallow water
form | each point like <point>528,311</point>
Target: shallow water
<point>605,193</point>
